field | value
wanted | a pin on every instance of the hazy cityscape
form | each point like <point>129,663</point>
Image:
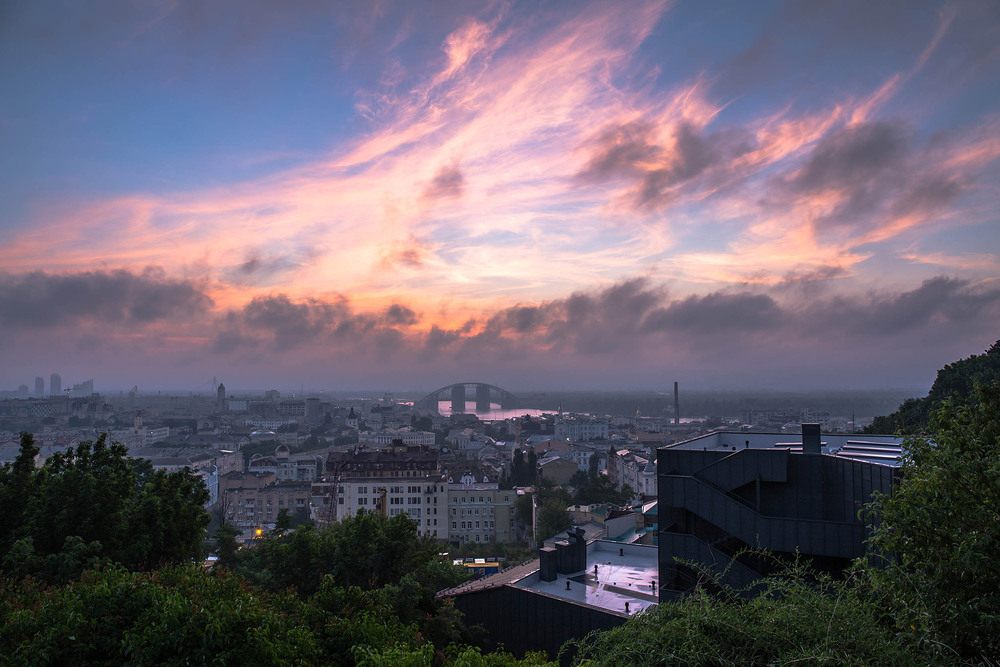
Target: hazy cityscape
<point>499,333</point>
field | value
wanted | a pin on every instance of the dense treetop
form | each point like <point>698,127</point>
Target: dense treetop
<point>956,381</point>
<point>91,503</point>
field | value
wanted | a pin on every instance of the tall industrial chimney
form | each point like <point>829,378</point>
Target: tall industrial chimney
<point>677,405</point>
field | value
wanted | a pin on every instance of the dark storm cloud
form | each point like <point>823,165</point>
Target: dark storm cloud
<point>877,174</point>
<point>280,323</point>
<point>291,324</point>
<point>633,314</point>
<point>692,154</point>
<point>398,315</point>
<point>437,339</point>
<point>930,194</point>
<point>623,304</point>
<point>622,319</point>
<point>631,152</point>
<point>519,319</point>
<point>717,313</point>
<point>940,301</point>
<point>448,182</point>
<point>853,157</point>
<point>619,150</point>
<point>595,322</point>
<point>40,300</point>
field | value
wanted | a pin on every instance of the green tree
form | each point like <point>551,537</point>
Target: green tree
<point>939,531</point>
<point>796,617</point>
<point>594,463</point>
<point>91,502</point>
<point>17,484</point>
<point>552,519</point>
<point>173,616</point>
<point>598,489</point>
<point>956,381</point>
<point>578,479</point>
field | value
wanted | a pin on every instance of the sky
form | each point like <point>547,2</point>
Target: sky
<point>769,195</point>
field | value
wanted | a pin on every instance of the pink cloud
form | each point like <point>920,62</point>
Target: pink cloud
<point>520,168</point>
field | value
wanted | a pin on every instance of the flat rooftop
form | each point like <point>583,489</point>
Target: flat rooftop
<point>625,574</point>
<point>884,449</point>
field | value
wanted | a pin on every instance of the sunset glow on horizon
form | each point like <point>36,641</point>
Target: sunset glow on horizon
<point>778,194</point>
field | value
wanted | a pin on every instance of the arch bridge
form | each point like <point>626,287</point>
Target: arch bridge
<point>485,395</point>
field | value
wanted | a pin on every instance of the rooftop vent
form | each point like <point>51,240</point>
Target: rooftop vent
<point>811,439</point>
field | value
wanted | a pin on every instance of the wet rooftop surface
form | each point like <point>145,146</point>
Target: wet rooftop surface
<point>621,578</point>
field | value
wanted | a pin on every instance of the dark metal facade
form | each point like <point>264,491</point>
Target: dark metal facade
<point>714,503</point>
<point>523,620</point>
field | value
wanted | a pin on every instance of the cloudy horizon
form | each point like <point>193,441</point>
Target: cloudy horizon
<point>777,195</point>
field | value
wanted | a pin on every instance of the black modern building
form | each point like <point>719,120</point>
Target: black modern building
<point>721,495</point>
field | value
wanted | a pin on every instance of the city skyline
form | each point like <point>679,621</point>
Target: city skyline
<point>777,195</point>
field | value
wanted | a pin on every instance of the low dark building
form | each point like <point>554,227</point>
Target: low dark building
<point>718,498</point>
<point>572,589</point>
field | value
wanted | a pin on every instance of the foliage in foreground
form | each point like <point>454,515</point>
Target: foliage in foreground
<point>793,619</point>
<point>186,615</point>
<point>939,532</point>
<point>956,382</point>
<point>91,504</point>
<point>398,570</point>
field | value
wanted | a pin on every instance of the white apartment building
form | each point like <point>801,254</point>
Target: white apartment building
<point>569,429</point>
<point>396,480</point>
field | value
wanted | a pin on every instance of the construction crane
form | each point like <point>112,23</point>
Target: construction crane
<point>329,516</point>
<point>380,505</point>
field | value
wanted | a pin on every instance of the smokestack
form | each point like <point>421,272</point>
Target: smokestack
<point>677,405</point>
<point>811,439</point>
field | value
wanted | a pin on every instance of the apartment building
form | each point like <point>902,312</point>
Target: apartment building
<point>478,510</point>
<point>395,480</point>
<point>254,500</point>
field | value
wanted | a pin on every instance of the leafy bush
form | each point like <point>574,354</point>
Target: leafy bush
<point>795,617</point>
<point>939,533</point>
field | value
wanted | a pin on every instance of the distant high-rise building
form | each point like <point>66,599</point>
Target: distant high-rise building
<point>22,390</point>
<point>221,399</point>
<point>55,384</point>
<point>39,386</point>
